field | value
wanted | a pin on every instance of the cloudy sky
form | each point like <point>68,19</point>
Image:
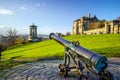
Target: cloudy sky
<point>52,15</point>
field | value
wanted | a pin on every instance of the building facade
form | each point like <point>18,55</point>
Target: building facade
<point>91,25</point>
<point>112,26</point>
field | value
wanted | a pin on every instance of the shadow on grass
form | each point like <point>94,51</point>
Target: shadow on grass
<point>14,57</point>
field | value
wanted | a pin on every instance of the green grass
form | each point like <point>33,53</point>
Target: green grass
<point>105,44</point>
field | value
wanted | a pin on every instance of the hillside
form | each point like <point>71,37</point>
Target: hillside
<point>105,44</point>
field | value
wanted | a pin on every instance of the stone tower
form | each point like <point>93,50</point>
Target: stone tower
<point>33,33</point>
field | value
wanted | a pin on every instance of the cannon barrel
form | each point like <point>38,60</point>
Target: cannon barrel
<point>96,61</point>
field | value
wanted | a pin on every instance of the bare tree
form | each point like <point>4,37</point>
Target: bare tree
<point>11,34</point>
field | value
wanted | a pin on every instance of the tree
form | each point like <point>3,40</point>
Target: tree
<point>68,33</point>
<point>11,34</point>
<point>19,40</point>
<point>103,20</point>
<point>118,18</point>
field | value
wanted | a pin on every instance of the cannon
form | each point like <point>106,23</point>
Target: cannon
<point>85,62</point>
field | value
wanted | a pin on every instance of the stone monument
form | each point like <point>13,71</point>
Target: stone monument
<point>33,33</point>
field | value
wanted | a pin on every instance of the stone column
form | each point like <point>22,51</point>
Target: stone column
<point>75,28</point>
<point>112,28</point>
<point>30,31</point>
<point>119,29</point>
<point>106,27</point>
<point>35,32</point>
<point>81,27</point>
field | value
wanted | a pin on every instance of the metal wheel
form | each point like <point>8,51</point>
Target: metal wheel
<point>83,77</point>
<point>106,76</point>
<point>62,70</point>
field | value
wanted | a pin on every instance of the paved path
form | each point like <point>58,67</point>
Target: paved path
<point>47,70</point>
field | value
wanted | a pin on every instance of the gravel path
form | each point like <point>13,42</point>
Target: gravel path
<point>47,70</point>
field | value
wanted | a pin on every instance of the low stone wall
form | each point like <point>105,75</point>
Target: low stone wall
<point>95,31</point>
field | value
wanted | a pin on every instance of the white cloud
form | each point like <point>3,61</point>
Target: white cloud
<point>23,8</point>
<point>6,12</point>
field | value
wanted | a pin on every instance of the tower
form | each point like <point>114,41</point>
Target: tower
<point>33,33</point>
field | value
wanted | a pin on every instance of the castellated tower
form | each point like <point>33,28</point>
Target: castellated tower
<point>82,24</point>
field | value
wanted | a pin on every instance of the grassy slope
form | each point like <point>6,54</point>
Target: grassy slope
<point>108,45</point>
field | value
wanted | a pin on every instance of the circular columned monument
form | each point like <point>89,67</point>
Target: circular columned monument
<point>33,33</point>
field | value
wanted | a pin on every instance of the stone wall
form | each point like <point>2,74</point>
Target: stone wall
<point>95,31</point>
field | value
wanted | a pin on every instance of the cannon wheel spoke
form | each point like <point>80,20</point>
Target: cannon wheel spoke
<point>106,75</point>
<point>62,70</point>
<point>83,77</point>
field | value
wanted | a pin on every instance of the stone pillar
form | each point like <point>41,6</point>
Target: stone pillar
<point>74,28</point>
<point>112,28</point>
<point>30,31</point>
<point>77,27</point>
<point>119,29</point>
<point>106,28</point>
<point>81,27</point>
<point>35,32</point>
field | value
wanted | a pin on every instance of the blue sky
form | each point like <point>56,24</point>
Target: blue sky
<point>52,15</point>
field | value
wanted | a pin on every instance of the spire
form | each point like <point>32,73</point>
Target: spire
<point>33,24</point>
<point>89,15</point>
